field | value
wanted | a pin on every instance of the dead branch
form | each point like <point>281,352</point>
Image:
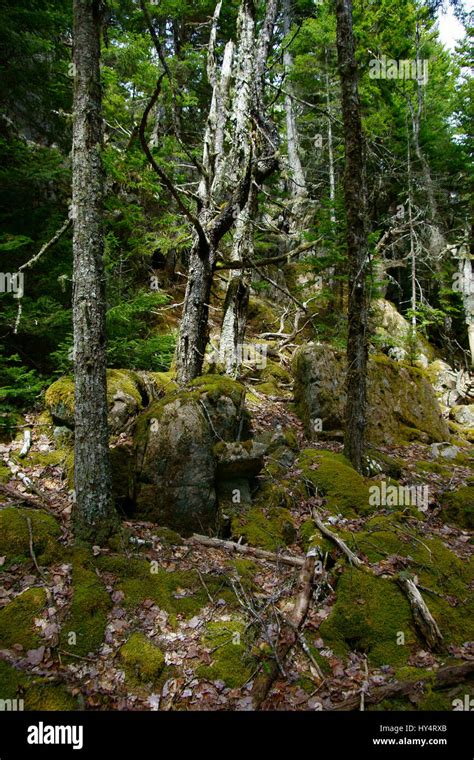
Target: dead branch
<point>448,676</point>
<point>423,617</point>
<point>219,543</point>
<point>289,632</point>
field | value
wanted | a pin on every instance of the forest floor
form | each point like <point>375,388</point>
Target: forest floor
<point>215,612</point>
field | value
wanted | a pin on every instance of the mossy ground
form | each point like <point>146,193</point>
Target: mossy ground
<point>142,661</point>
<point>36,693</point>
<point>15,537</point>
<point>332,476</point>
<point>178,593</point>
<point>83,629</point>
<point>269,529</point>
<point>437,568</point>
<point>17,619</point>
<point>458,506</point>
<point>369,615</point>
<point>231,660</point>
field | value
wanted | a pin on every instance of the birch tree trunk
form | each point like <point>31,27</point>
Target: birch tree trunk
<point>357,240</point>
<point>95,516</point>
<point>297,176</point>
<point>249,86</point>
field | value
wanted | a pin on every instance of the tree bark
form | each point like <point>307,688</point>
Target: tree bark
<point>357,240</point>
<point>94,513</point>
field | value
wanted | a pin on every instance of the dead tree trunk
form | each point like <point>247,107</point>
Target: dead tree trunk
<point>226,186</point>
<point>297,177</point>
<point>357,240</point>
<point>249,86</point>
<point>95,516</point>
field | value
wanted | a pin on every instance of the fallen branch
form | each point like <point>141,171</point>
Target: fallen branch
<point>289,633</point>
<point>219,543</point>
<point>26,443</point>
<point>423,617</point>
<point>448,676</point>
<point>353,558</point>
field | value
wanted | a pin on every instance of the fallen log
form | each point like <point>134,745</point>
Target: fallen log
<point>289,633</point>
<point>219,543</point>
<point>444,677</point>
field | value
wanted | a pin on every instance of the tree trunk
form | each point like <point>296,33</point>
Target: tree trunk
<point>357,240</point>
<point>95,516</point>
<point>297,177</point>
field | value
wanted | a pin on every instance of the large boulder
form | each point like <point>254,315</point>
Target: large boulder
<point>175,461</point>
<point>127,393</point>
<point>393,334</point>
<point>402,403</point>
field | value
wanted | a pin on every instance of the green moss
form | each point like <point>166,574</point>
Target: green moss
<point>216,386</point>
<point>246,570</point>
<point>83,630</point>
<point>231,661</point>
<point>437,568</point>
<point>268,528</point>
<point>435,467</point>
<point>123,381</point>
<point>391,466</point>
<point>5,473</point>
<point>368,616</point>
<point>17,624</point>
<point>332,476</point>
<point>46,458</point>
<point>178,593</point>
<point>310,537</point>
<point>142,661</point>
<point>59,398</point>
<point>36,693</point>
<point>15,538</point>
<point>168,537</point>
<point>49,697</point>
<point>458,506</point>
<point>164,382</point>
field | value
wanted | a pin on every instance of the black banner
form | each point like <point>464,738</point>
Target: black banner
<point>134,735</point>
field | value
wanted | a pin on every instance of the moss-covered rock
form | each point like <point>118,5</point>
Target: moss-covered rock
<point>231,661</point>
<point>332,476</point>
<point>458,506</point>
<point>447,577</point>
<point>83,630</point>
<point>59,401</point>
<point>123,397</point>
<point>368,616</point>
<point>17,619</point>
<point>270,528</point>
<point>176,465</point>
<point>142,661</point>
<point>15,537</point>
<point>402,403</point>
